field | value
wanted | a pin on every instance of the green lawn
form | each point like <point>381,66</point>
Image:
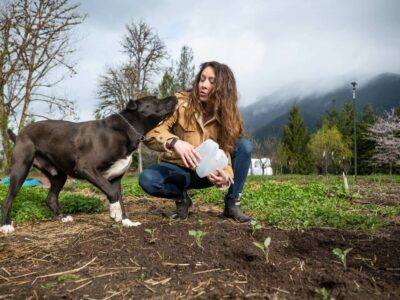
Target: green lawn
<point>290,202</point>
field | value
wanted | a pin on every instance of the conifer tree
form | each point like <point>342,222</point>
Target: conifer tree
<point>167,86</point>
<point>185,70</point>
<point>295,139</point>
<point>343,119</point>
<point>346,121</point>
<point>332,116</point>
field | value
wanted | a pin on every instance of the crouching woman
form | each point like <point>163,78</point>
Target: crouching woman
<point>208,111</point>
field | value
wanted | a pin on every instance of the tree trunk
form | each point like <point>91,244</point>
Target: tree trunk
<point>26,102</point>
<point>7,147</point>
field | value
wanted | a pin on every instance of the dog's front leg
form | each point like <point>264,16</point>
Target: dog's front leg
<point>111,190</point>
<point>117,209</point>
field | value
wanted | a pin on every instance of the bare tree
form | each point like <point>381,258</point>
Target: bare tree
<point>146,52</point>
<point>115,88</point>
<point>385,132</point>
<point>35,42</point>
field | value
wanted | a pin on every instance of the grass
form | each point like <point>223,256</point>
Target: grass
<point>319,204</point>
<point>298,202</point>
<point>289,202</point>
<point>30,204</point>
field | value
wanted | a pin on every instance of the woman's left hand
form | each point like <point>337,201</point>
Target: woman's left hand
<point>221,178</point>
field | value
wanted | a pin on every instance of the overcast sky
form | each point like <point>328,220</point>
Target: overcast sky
<point>270,45</point>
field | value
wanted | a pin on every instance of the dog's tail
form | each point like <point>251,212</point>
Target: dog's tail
<point>12,135</point>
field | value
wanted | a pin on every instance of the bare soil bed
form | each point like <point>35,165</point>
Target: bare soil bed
<point>93,259</point>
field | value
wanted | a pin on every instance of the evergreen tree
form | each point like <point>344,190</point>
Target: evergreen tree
<point>295,139</point>
<point>332,116</point>
<point>185,70</point>
<point>343,119</point>
<point>167,86</point>
<point>346,122</point>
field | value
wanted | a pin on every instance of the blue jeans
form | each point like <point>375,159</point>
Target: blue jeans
<point>170,181</point>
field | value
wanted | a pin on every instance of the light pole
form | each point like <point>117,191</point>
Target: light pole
<point>355,129</point>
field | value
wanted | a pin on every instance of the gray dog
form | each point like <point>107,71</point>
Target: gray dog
<point>98,151</point>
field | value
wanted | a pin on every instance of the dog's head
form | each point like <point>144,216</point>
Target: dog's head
<point>150,111</point>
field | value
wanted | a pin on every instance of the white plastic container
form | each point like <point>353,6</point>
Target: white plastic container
<point>212,158</point>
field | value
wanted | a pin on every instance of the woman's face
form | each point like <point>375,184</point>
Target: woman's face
<point>206,84</point>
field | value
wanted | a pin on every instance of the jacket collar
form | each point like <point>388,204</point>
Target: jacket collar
<point>199,119</point>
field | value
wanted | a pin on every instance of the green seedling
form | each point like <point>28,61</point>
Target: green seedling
<point>264,247</point>
<point>68,277</point>
<point>49,286</point>
<point>117,226</point>
<point>342,255</point>
<point>323,292</point>
<point>142,276</point>
<point>198,236</point>
<point>255,226</point>
<point>152,233</point>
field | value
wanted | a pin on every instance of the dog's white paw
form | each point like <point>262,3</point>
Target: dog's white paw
<point>116,211</point>
<point>6,229</point>
<point>129,223</point>
<point>67,219</point>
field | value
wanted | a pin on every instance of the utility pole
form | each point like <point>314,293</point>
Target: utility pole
<point>355,128</point>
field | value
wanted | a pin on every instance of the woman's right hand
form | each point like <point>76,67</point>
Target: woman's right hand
<point>188,154</point>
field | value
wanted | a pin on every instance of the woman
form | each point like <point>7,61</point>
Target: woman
<point>208,111</point>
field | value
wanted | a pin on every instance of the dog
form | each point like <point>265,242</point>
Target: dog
<point>99,151</point>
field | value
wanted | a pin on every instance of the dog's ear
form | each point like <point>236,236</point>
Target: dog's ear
<point>132,105</point>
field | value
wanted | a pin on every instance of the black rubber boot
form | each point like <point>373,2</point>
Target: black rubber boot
<point>182,207</point>
<point>232,210</point>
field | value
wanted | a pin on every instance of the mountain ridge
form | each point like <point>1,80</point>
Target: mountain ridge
<point>267,116</point>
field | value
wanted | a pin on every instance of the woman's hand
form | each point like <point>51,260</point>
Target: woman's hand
<point>220,179</point>
<point>187,153</point>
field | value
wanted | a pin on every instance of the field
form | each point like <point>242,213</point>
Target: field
<point>207,256</point>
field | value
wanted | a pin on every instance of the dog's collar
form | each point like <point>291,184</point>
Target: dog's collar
<point>130,125</point>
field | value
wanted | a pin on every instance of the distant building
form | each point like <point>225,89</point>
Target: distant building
<point>260,166</point>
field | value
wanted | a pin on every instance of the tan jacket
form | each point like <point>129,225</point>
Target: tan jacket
<point>175,126</point>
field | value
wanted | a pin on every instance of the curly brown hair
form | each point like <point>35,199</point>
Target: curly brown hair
<point>224,97</point>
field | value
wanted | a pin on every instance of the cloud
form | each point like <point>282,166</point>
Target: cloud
<point>270,45</point>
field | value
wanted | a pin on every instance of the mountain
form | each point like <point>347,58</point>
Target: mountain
<point>268,116</point>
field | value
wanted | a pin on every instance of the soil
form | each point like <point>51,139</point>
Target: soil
<point>106,261</point>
